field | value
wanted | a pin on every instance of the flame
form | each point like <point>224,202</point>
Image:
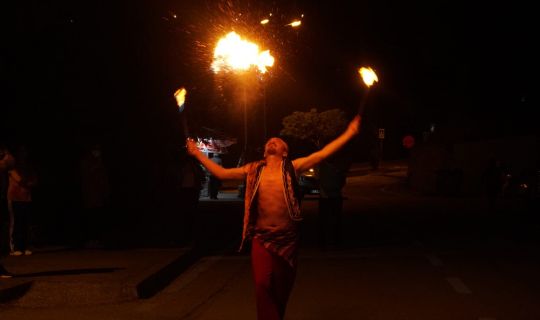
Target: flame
<point>295,23</point>
<point>265,21</point>
<point>265,59</point>
<point>368,75</point>
<point>232,52</point>
<point>180,96</point>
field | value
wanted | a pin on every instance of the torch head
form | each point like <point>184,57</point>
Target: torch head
<point>368,76</point>
<point>180,96</point>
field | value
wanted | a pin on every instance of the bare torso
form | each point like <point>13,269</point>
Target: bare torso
<point>272,209</point>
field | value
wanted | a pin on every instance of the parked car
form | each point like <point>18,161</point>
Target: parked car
<point>309,181</point>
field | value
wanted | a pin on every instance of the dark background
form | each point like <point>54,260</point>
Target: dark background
<point>79,72</point>
<point>92,68</point>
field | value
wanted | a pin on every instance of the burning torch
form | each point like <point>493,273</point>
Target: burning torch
<point>369,77</point>
<point>180,96</point>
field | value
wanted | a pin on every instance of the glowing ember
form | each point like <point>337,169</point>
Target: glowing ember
<point>368,75</point>
<point>265,21</point>
<point>295,23</point>
<point>232,52</point>
<point>180,96</point>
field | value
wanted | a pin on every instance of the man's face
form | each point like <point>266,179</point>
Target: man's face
<point>275,146</point>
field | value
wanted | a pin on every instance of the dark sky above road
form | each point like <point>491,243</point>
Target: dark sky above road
<point>77,70</point>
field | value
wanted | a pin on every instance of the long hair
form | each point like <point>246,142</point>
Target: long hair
<point>289,167</point>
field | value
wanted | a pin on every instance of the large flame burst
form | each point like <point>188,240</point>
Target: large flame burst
<point>234,53</point>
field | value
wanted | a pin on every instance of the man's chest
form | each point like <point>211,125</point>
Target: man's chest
<point>271,181</point>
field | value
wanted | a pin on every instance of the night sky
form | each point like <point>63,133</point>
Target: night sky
<point>76,72</point>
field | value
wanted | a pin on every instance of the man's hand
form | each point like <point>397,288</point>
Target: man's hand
<point>191,147</point>
<point>354,125</point>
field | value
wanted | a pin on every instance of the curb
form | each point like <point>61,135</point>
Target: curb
<point>156,282</point>
<point>49,293</point>
<point>17,290</point>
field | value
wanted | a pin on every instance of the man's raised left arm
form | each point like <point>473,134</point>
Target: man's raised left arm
<point>305,163</point>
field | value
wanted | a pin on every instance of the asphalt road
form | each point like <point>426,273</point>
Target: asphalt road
<point>404,256</point>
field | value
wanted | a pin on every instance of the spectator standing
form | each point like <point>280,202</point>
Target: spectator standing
<point>22,179</point>
<point>213,182</point>
<point>95,196</point>
<point>332,178</point>
<point>6,163</point>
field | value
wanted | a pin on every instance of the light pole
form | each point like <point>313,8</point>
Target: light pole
<point>264,111</point>
<point>232,53</point>
<point>244,98</point>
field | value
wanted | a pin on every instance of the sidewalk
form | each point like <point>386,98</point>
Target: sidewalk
<point>388,166</point>
<point>224,195</point>
<point>91,276</point>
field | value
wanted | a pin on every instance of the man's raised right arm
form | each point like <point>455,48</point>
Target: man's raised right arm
<point>214,168</point>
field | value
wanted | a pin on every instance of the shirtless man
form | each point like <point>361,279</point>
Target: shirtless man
<point>272,213</point>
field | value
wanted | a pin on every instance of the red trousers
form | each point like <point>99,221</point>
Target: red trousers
<point>274,279</point>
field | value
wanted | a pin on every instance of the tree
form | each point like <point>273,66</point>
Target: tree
<point>315,127</point>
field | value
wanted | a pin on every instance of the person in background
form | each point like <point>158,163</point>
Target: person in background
<point>213,182</point>
<point>22,179</point>
<point>95,196</point>
<point>6,163</point>
<point>332,178</point>
<point>191,185</point>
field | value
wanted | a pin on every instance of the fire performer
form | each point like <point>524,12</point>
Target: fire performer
<point>272,214</point>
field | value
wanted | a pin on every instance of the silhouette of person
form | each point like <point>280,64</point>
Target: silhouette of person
<point>213,182</point>
<point>6,163</point>
<point>95,195</point>
<point>332,178</point>
<point>22,179</point>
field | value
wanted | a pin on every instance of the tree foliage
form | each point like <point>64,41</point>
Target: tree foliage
<point>315,127</point>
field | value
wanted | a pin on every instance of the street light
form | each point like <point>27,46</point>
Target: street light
<point>295,23</point>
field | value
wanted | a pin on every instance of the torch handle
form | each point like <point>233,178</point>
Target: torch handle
<point>363,104</point>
